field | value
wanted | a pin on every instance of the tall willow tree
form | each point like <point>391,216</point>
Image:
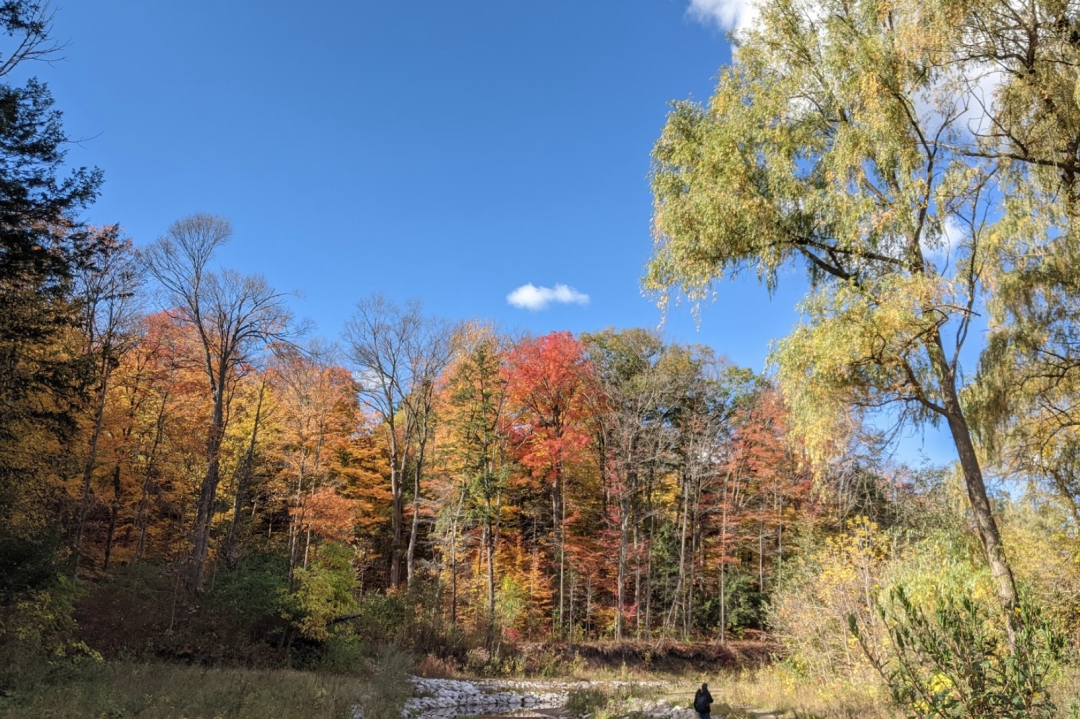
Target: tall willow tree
<point>1028,398</point>
<point>845,139</point>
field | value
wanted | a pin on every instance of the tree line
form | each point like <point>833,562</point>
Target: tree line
<point>603,485</point>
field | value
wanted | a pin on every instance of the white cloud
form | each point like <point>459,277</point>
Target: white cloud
<point>966,97</point>
<point>726,14</point>
<point>953,236</point>
<point>531,297</point>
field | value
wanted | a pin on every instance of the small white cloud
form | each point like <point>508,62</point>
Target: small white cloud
<point>954,233</point>
<point>951,241</point>
<point>531,297</point>
<point>726,14</point>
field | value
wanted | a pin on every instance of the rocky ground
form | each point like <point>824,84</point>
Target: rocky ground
<point>453,698</point>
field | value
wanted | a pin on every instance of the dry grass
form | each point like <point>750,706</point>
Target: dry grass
<point>776,690</point>
<point>1065,690</point>
<point>118,690</point>
<point>768,691</point>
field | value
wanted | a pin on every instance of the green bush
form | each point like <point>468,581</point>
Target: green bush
<point>26,565</point>
<point>746,606</point>
<point>955,663</point>
<point>254,591</point>
<point>412,619</point>
<point>343,654</point>
<point>586,700</point>
<point>325,592</point>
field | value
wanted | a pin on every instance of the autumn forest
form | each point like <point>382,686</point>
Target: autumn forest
<point>608,485</point>
<point>209,507</point>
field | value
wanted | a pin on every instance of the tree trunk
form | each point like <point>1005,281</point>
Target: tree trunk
<point>761,555</point>
<point>88,469</point>
<point>556,503</point>
<point>723,564</point>
<point>489,541</point>
<point>396,513</point>
<point>624,534</point>
<point>416,511</point>
<point>143,518</point>
<point>114,511</point>
<point>208,494</point>
<point>976,487</point>
<point>244,482</point>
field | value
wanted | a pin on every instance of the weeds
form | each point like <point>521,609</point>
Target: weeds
<point>587,700</point>
<point>118,690</point>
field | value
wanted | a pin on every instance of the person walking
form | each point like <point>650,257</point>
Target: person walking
<point>703,702</point>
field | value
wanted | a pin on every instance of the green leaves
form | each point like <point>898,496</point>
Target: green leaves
<point>857,350</point>
<point>953,662</point>
<point>831,143</point>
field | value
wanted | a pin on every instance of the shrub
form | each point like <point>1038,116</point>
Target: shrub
<point>37,635</point>
<point>343,654</point>
<point>838,578</point>
<point>390,685</point>
<point>411,619</point>
<point>745,604</point>
<point>954,662</point>
<point>26,565</point>
<point>586,700</point>
<point>325,592</point>
<point>254,591</point>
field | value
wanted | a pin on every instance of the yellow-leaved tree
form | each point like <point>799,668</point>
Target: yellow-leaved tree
<point>900,152</point>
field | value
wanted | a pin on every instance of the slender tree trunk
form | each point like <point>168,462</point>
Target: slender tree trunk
<point>649,557</point>
<point>695,547</point>
<point>723,565</point>
<point>761,555</point>
<point>114,511</point>
<point>244,482</point>
<point>396,513</point>
<point>88,468</point>
<point>414,531</point>
<point>573,591</point>
<point>453,557</point>
<point>489,541</point>
<point>676,599</point>
<point>620,598</point>
<point>453,572</point>
<point>624,541</point>
<point>208,494</point>
<point>296,517</point>
<point>556,503</point>
<point>637,578</point>
<point>143,518</point>
<point>588,607</point>
<point>779,527</point>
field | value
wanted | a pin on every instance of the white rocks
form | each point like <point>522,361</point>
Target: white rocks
<point>452,698</point>
<point>439,698</point>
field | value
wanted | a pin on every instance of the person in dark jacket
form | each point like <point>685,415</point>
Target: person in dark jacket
<point>703,702</point>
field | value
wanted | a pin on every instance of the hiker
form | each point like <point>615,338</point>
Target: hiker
<point>703,702</point>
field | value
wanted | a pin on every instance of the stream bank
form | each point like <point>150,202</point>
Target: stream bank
<point>454,698</point>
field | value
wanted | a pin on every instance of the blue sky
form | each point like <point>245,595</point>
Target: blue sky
<point>452,152</point>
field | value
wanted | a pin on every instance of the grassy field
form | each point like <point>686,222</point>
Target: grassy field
<point>118,690</point>
<point>155,690</point>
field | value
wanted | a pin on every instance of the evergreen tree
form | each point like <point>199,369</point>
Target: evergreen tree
<point>42,241</point>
